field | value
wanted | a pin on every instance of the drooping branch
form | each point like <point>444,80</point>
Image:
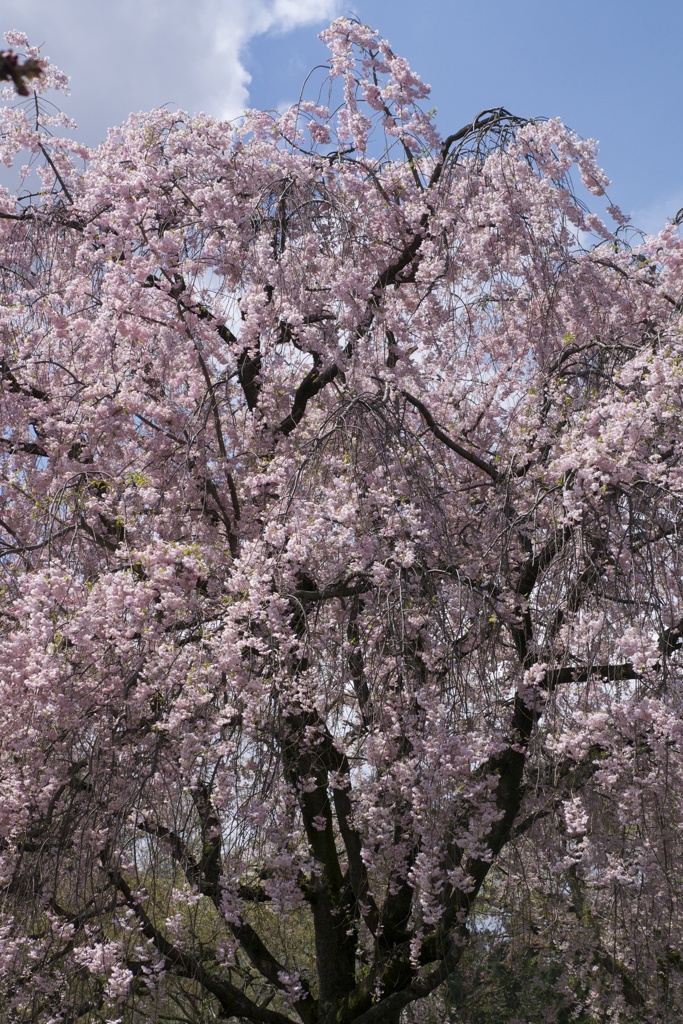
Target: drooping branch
<point>610,672</point>
<point>312,384</point>
<point>454,446</point>
<point>12,384</point>
<point>231,1000</point>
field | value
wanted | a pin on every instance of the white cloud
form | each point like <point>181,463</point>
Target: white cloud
<point>129,55</point>
<point>288,14</point>
<point>653,217</point>
<point>232,25</point>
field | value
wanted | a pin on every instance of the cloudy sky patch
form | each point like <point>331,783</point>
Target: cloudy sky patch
<point>610,70</point>
<point>130,55</point>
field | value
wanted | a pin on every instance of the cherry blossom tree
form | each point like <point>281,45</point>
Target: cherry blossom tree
<point>342,600</point>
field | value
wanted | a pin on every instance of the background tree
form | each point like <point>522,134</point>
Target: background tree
<point>340,506</point>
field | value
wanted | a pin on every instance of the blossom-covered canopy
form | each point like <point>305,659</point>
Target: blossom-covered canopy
<point>341,597</point>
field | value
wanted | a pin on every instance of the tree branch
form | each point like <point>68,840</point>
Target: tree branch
<point>436,430</point>
<point>230,998</point>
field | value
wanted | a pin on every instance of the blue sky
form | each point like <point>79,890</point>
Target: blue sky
<point>611,69</point>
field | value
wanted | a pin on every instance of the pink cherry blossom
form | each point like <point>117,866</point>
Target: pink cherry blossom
<point>342,598</point>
